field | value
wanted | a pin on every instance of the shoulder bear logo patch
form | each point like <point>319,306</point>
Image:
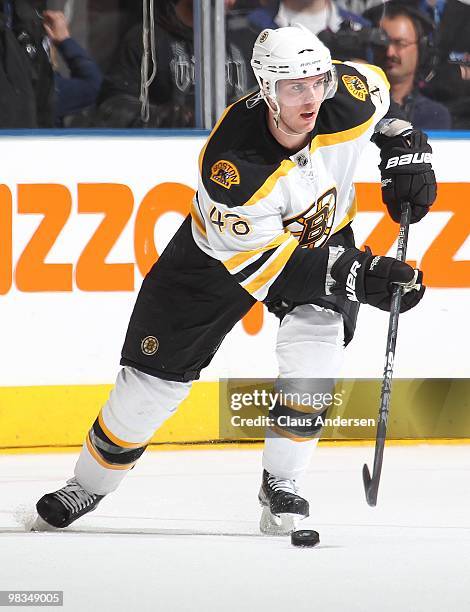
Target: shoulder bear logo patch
<point>356,87</point>
<point>224,173</point>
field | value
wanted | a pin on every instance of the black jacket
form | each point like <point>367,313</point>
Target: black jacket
<point>172,94</point>
<point>26,79</point>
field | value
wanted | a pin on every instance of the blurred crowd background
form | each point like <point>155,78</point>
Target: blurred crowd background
<point>78,63</point>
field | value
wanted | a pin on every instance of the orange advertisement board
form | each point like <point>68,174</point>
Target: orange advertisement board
<point>81,225</point>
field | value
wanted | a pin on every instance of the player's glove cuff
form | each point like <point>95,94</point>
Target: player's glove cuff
<point>334,253</point>
<point>388,128</point>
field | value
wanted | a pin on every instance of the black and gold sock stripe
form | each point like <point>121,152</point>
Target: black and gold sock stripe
<point>111,452</point>
<point>297,425</point>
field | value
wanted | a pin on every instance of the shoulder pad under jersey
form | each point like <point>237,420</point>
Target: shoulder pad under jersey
<point>240,156</point>
<point>351,106</point>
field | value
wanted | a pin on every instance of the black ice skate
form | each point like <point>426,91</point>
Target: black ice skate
<point>63,507</point>
<point>282,507</point>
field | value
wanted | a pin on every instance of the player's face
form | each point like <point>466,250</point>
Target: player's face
<point>299,101</point>
<point>401,58</point>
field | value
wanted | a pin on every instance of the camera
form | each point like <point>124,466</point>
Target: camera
<point>353,40</point>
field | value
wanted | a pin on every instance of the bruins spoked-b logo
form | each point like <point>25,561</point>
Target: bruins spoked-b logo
<point>356,87</point>
<point>312,228</point>
<point>149,345</point>
<point>224,173</point>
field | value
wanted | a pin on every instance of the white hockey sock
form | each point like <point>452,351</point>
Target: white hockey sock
<point>137,407</point>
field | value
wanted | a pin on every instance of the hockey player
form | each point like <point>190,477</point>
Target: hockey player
<point>271,221</point>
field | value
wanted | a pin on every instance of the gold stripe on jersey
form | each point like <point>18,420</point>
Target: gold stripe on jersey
<point>321,140</point>
<point>325,140</point>
<point>244,256</point>
<point>214,130</point>
<point>273,269</point>
<point>269,184</point>
<point>216,127</point>
<point>110,466</point>
<point>197,219</point>
<point>117,440</point>
<point>378,71</point>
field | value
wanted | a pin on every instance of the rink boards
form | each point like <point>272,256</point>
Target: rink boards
<point>82,219</point>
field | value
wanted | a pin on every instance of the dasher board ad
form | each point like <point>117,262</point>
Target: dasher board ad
<point>82,219</point>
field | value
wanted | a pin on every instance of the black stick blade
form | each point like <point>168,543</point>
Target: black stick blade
<point>369,486</point>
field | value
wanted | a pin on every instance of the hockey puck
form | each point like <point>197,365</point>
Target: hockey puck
<point>305,537</point>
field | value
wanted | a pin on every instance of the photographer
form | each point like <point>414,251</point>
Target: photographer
<point>407,61</point>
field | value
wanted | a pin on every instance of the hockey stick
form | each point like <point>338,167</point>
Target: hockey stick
<point>371,485</point>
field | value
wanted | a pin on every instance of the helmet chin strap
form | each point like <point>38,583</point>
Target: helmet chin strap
<point>289,133</point>
<point>277,116</point>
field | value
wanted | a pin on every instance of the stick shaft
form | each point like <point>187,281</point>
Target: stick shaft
<point>385,395</point>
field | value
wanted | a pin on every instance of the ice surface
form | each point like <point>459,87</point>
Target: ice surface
<point>167,551</point>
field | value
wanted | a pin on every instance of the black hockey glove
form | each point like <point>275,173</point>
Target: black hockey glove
<point>407,174</point>
<point>362,277</point>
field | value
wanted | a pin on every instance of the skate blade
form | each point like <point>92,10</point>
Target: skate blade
<point>281,525</point>
<point>41,525</point>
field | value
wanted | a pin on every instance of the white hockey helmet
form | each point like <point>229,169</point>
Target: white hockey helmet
<point>293,52</point>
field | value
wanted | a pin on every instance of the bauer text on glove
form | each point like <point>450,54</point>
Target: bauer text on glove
<point>406,170</point>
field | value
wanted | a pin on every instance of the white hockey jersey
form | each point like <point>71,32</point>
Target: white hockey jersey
<point>257,204</point>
